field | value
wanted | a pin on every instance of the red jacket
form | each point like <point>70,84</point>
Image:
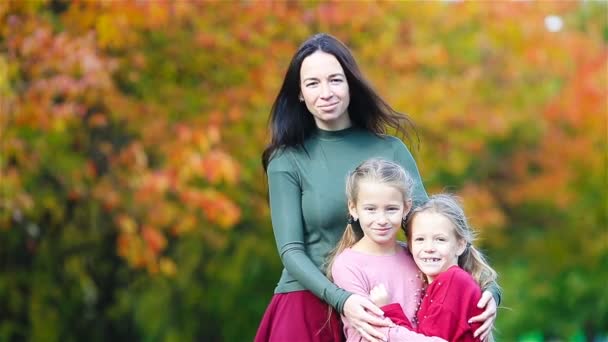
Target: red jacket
<point>448,303</point>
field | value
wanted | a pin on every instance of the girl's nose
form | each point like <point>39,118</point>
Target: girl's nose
<point>382,219</point>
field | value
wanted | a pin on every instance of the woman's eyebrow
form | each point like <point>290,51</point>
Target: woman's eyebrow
<point>315,78</point>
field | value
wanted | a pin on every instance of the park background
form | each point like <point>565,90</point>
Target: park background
<point>133,202</point>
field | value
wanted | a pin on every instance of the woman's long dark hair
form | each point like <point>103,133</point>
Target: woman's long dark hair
<point>290,121</point>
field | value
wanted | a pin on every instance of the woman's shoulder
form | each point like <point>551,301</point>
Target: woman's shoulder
<point>387,141</point>
<point>393,140</point>
<point>282,159</point>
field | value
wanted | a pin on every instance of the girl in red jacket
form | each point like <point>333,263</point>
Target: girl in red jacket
<point>440,240</point>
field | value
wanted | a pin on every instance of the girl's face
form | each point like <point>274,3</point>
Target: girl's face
<point>434,243</point>
<point>324,89</point>
<point>380,208</point>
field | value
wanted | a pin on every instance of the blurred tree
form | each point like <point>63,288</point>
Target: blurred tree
<point>133,204</point>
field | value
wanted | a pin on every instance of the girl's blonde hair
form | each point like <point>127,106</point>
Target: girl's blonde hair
<point>376,170</point>
<point>471,260</point>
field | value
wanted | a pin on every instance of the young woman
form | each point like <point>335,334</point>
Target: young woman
<point>325,121</point>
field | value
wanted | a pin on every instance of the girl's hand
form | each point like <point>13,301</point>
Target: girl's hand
<point>379,295</point>
<point>365,317</point>
<point>487,317</point>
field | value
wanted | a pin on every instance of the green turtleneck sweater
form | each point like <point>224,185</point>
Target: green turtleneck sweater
<point>308,202</point>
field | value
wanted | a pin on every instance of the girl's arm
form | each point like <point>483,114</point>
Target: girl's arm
<point>379,295</point>
<point>452,299</point>
<point>350,276</point>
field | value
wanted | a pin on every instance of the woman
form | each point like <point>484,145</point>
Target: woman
<point>325,121</point>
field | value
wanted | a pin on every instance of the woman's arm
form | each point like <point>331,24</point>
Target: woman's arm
<point>286,214</point>
<point>489,301</point>
<point>495,291</point>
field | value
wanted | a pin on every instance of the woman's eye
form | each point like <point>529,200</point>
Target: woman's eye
<point>336,80</point>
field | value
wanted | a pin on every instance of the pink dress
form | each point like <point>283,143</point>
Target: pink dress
<point>358,273</point>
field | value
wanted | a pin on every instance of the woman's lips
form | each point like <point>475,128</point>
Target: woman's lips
<point>328,107</point>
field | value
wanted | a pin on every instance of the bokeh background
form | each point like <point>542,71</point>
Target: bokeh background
<point>132,198</point>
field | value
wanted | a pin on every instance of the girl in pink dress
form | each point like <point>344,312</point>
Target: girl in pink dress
<point>371,262</point>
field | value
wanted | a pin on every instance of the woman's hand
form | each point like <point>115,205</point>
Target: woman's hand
<point>379,295</point>
<point>487,317</point>
<point>365,317</point>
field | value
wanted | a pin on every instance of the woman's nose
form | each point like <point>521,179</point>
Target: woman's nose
<point>326,91</point>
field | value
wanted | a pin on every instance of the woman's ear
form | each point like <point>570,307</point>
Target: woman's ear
<point>352,210</point>
<point>300,97</point>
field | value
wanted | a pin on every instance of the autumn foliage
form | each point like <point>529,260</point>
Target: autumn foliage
<point>133,203</point>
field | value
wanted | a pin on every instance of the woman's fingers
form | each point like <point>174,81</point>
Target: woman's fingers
<point>376,320</point>
<point>371,333</point>
<point>366,318</point>
<point>489,304</point>
<point>484,329</point>
<point>482,317</point>
<point>485,298</point>
<point>371,307</point>
<point>487,317</point>
<point>484,336</point>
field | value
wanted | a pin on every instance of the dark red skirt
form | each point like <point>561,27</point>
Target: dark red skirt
<point>299,316</point>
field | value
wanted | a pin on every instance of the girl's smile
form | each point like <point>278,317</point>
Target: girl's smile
<point>434,244</point>
<point>380,210</point>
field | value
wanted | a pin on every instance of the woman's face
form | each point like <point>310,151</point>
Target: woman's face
<point>324,89</point>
